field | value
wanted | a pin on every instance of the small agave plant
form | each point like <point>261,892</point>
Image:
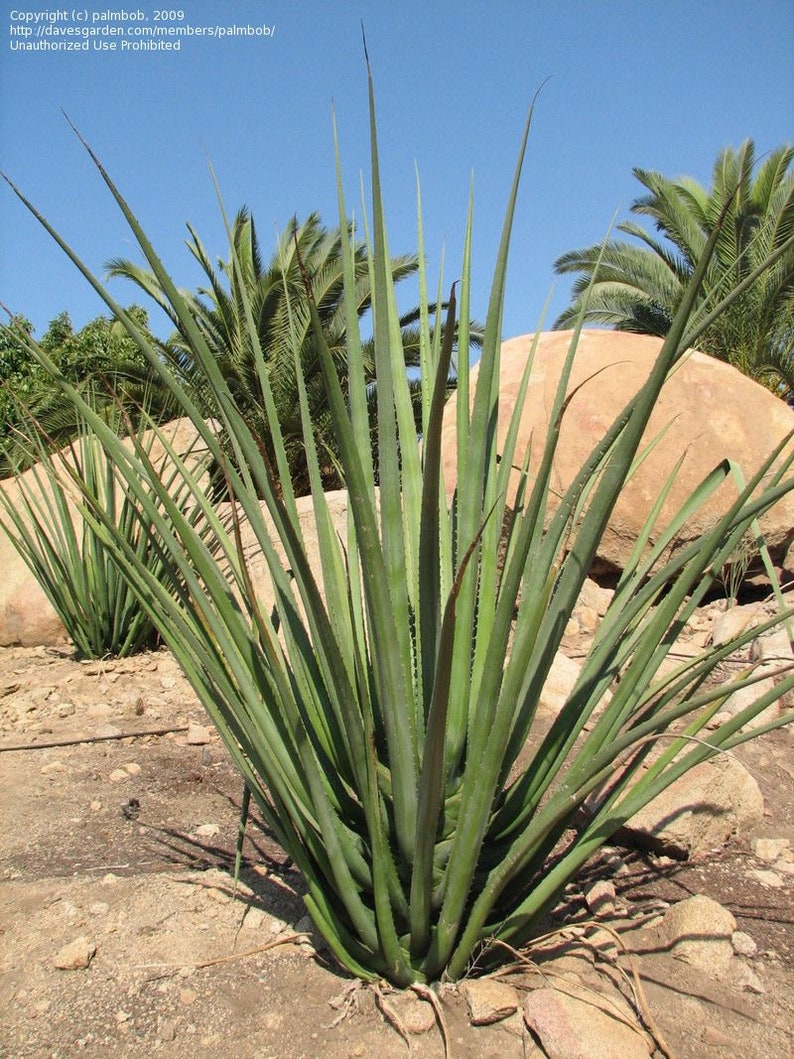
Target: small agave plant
<point>97,605</point>
<point>378,710</point>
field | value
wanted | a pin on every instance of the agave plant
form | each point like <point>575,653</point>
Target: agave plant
<point>378,710</point>
<point>39,511</point>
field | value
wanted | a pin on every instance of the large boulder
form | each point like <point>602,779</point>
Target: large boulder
<point>337,501</point>
<point>709,409</point>
<point>27,618</point>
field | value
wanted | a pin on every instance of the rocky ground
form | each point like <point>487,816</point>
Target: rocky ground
<point>122,934</point>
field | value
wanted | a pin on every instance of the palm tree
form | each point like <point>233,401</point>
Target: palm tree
<point>275,293</point>
<point>638,287</point>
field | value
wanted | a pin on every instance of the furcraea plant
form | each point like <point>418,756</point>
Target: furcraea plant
<point>378,710</point>
<point>70,559</point>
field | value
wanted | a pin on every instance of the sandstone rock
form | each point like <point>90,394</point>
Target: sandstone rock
<point>704,404</point>
<point>734,621</point>
<point>337,506</point>
<point>715,1038</point>
<point>595,596</point>
<point>98,709</point>
<point>775,648</point>
<point>699,931</point>
<point>746,979</point>
<point>166,1029</point>
<point>701,810</point>
<point>766,877</point>
<point>587,620</point>
<point>489,1000</point>
<point>415,1014</point>
<point>570,1028</point>
<point>746,697</point>
<point>107,731</point>
<point>197,735</point>
<point>559,684</point>
<point>771,848</point>
<point>743,944</point>
<point>75,956</point>
<point>27,617</point>
<point>600,898</point>
<point>51,767</point>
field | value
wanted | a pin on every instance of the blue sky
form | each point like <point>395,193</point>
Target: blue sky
<point>630,83</point>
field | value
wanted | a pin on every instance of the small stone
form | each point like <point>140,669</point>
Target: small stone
<point>743,944</point>
<point>197,735</point>
<point>716,1038</point>
<point>123,1016</point>
<point>118,776</point>
<point>415,1014</point>
<point>600,898</point>
<point>746,979</point>
<point>588,618</point>
<point>253,919</point>
<point>95,806</point>
<point>52,767</point>
<point>132,768</point>
<point>208,830</point>
<point>75,956</point>
<point>167,1030</point>
<point>766,878</point>
<point>746,697</point>
<point>98,908</point>
<point>603,942</point>
<point>770,848</point>
<point>107,731</point>
<point>66,709</point>
<point>187,997</point>
<point>700,811</point>
<point>567,1026</point>
<point>774,647</point>
<point>699,931</point>
<point>593,595</point>
<point>734,621</point>
<point>489,1001</point>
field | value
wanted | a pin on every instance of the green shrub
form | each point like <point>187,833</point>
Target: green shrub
<point>378,711</point>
